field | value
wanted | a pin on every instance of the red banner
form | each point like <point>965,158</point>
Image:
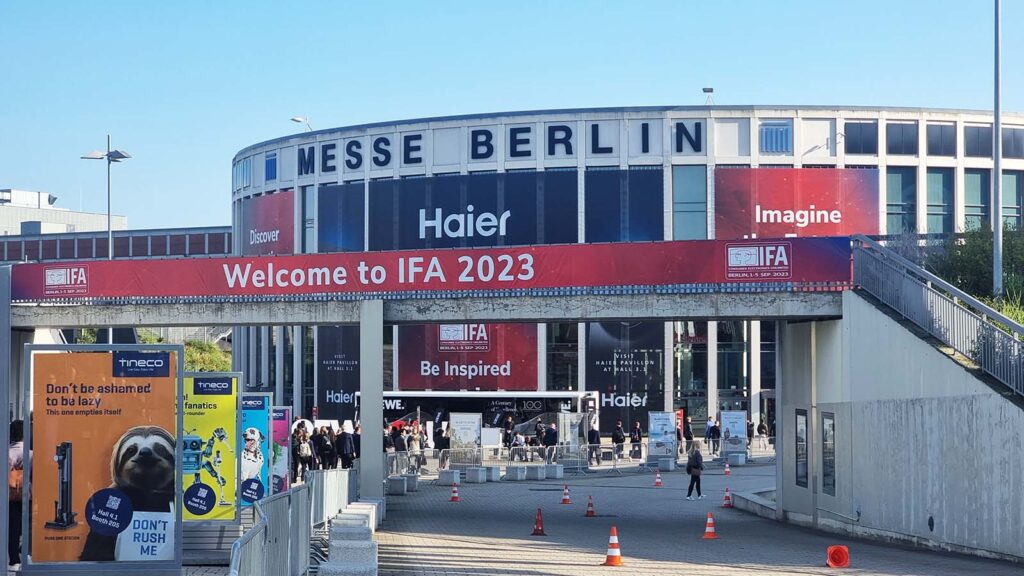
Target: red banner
<point>527,267</point>
<point>467,357</point>
<point>267,225</point>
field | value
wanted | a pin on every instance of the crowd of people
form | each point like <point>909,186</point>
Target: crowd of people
<point>323,448</point>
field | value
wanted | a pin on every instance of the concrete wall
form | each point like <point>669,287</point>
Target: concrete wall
<point>918,437</point>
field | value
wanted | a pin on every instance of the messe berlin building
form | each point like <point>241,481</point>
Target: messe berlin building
<point>588,176</point>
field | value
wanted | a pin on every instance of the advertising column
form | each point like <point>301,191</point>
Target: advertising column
<point>209,468</point>
<point>280,449</point>
<point>104,480</point>
<point>254,447</point>
<point>661,435</point>
<point>625,364</point>
<point>337,355</point>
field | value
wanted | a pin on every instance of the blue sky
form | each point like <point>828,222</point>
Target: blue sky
<point>184,85</point>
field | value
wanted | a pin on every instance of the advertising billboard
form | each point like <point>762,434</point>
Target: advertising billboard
<point>531,267</point>
<point>661,435</point>
<point>268,225</point>
<point>209,466</point>
<point>337,365</point>
<point>280,449</point>
<point>483,357</point>
<point>254,447</point>
<point>103,467</point>
<point>780,202</point>
<point>734,431</point>
<point>626,366</point>
<point>465,430</point>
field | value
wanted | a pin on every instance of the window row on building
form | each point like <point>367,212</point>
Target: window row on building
<point>127,244</point>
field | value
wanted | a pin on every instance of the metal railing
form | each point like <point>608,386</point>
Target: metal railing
<point>980,333</point>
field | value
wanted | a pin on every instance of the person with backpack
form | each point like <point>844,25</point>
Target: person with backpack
<point>15,490</point>
<point>618,439</point>
<point>305,452</point>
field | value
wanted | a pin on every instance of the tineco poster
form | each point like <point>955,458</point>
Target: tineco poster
<point>209,464</point>
<point>103,472</point>
<point>337,353</point>
<point>254,448</point>
<point>280,449</point>
<point>626,366</point>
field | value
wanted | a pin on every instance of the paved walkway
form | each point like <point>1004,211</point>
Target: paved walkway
<point>660,533</point>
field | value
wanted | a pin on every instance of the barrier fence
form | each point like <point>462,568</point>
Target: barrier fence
<point>279,542</point>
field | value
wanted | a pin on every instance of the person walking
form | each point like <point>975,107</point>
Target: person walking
<point>15,490</point>
<point>306,455</point>
<point>442,443</point>
<point>509,432</point>
<point>413,441</point>
<point>636,437</point>
<point>716,438</point>
<point>707,432</point>
<point>750,433</point>
<point>594,446</point>
<point>550,443</point>
<point>694,467</point>
<point>762,436</point>
<point>688,434</point>
<point>328,453</point>
<point>345,446</point>
<point>618,439</point>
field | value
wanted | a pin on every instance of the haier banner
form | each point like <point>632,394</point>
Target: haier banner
<point>337,366</point>
<point>267,224</point>
<point>626,366</point>
<point>467,357</point>
<point>779,202</point>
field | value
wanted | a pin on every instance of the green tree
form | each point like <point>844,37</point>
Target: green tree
<point>205,357</point>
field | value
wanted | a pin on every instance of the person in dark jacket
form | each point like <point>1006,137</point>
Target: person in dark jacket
<point>618,439</point>
<point>694,467</point>
<point>636,437</point>
<point>716,437</point>
<point>442,443</point>
<point>594,446</point>
<point>357,438</point>
<point>688,434</point>
<point>750,433</point>
<point>550,442</point>
<point>762,436</point>
<point>509,432</point>
<point>346,446</point>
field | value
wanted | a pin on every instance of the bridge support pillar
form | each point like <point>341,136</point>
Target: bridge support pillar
<point>371,398</point>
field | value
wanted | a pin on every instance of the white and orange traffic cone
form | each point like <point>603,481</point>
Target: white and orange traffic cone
<point>614,557</point>
<point>709,528</point>
<point>727,500</point>
<point>538,525</point>
<point>565,495</point>
<point>657,479</point>
<point>590,507</point>
<point>455,494</point>
<point>727,471</point>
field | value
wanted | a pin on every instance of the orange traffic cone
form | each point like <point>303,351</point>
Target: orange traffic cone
<point>538,525</point>
<point>838,557</point>
<point>727,471</point>
<point>565,495</point>
<point>455,494</point>
<point>590,507</point>
<point>727,500</point>
<point>709,529</point>
<point>614,557</point>
<point>657,479</point>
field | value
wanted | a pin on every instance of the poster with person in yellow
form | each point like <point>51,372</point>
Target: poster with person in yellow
<point>104,482</point>
<point>209,466</point>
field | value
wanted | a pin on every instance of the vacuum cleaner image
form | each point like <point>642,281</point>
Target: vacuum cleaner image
<point>63,516</point>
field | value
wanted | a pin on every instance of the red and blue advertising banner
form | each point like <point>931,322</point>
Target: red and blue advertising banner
<point>781,202</point>
<point>268,225</point>
<point>527,267</point>
<point>484,357</point>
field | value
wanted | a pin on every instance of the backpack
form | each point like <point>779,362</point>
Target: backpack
<point>15,484</point>
<point>304,451</point>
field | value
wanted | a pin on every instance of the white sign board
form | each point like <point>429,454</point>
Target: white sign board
<point>661,434</point>
<point>465,430</point>
<point>734,431</point>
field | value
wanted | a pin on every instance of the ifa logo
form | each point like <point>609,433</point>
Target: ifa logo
<point>66,280</point>
<point>762,261</point>
<point>463,338</point>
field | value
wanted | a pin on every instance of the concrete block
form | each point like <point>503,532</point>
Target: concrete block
<point>554,471</point>
<point>737,459</point>
<point>365,506</point>
<point>476,475</point>
<point>346,569</point>
<point>536,472</point>
<point>396,486</point>
<point>365,515</point>
<point>515,473</point>
<point>493,473</point>
<point>350,533</point>
<point>448,477</point>
<point>382,506</point>
<point>667,464</point>
<point>411,482</point>
<point>353,551</point>
<point>351,521</point>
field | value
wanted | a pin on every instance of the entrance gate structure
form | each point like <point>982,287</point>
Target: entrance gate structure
<point>793,278</point>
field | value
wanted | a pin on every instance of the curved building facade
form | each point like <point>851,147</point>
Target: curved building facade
<point>597,175</point>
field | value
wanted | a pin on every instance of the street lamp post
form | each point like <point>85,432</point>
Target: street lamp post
<point>997,169</point>
<point>110,156</point>
<point>302,120</point>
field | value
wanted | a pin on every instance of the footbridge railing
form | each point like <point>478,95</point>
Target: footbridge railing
<point>969,326</point>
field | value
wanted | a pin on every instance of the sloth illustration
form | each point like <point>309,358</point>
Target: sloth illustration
<point>252,455</point>
<point>141,466</point>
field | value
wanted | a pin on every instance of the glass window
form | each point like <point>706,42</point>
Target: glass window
<point>563,354</point>
<point>901,199</point>
<point>861,137</point>
<point>624,205</point>
<point>49,249</point>
<point>768,349</point>
<point>733,342</point>
<point>776,137</point>
<point>1013,198</point>
<point>1013,142</point>
<point>828,453</point>
<point>690,355</point>
<point>157,246</point>
<point>216,244</point>
<point>940,201</point>
<point>178,244</point>
<point>941,140</point>
<point>67,249</point>
<point>801,448</point>
<point>978,141</point>
<point>270,167</point>
<point>339,210</point>
<point>977,198</point>
<point>689,203</point>
<point>901,138</point>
